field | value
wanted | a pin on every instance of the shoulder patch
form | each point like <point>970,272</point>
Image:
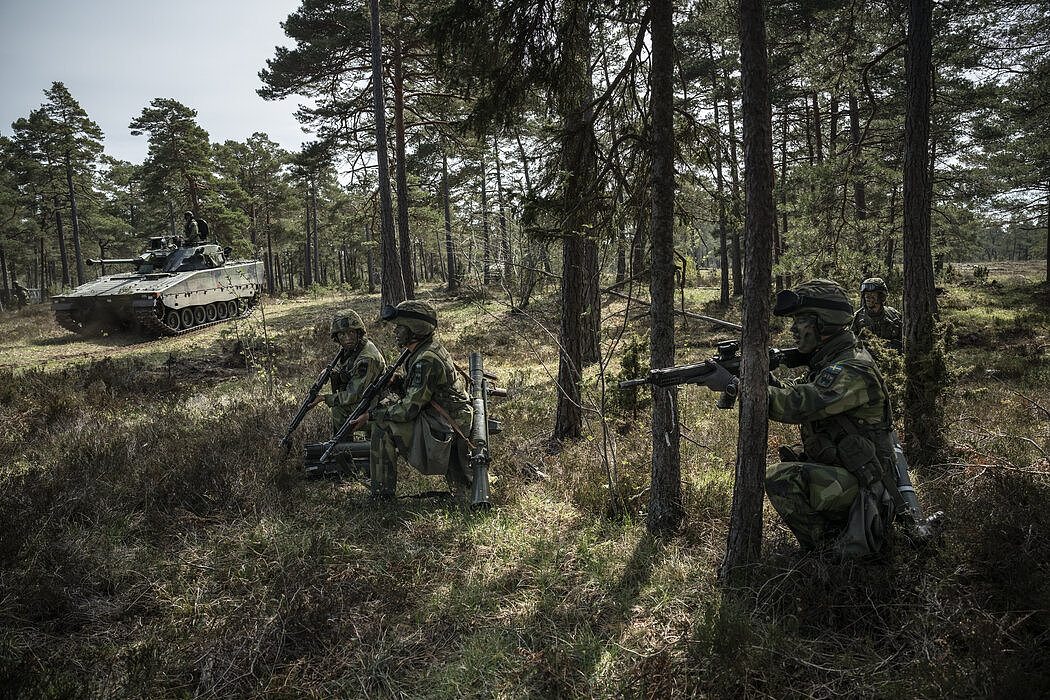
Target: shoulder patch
<point>827,376</point>
<point>416,377</point>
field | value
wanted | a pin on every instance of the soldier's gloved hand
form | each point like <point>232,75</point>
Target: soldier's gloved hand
<point>719,377</point>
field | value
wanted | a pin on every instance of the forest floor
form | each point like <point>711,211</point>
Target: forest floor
<point>153,541</point>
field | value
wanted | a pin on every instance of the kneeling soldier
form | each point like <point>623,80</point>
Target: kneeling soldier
<point>360,363</point>
<point>840,486</point>
<point>427,425</point>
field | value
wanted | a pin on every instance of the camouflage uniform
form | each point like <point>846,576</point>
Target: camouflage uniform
<point>417,425</point>
<point>357,369</point>
<point>841,397</point>
<point>829,489</point>
<point>887,324</point>
<point>189,230</point>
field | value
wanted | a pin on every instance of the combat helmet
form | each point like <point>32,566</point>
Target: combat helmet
<point>348,320</point>
<point>823,298</point>
<point>875,284</point>
<point>416,315</point>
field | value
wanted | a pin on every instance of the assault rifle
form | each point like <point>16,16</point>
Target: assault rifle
<point>286,441</point>
<point>481,428</point>
<point>728,356</point>
<point>371,393</point>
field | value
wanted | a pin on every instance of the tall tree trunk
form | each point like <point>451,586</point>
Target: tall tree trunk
<point>859,198</point>
<point>316,246</point>
<point>3,274</point>
<point>579,149</point>
<point>400,165</point>
<point>723,247</point>
<point>270,275</point>
<point>61,244</point>
<point>922,360</point>
<point>1048,233</point>
<point>745,520</point>
<point>818,132</point>
<point>393,278</point>
<point>486,242</point>
<point>780,240</point>
<point>891,234</point>
<point>640,240</point>
<point>450,253</point>
<point>307,257</point>
<point>42,282</point>
<point>734,165</point>
<point>504,236</point>
<point>665,497</point>
<point>75,221</point>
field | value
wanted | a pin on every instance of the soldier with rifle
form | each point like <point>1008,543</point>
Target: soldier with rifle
<point>428,425</point>
<point>352,371</point>
<point>360,362</point>
<point>840,487</point>
<point>847,481</point>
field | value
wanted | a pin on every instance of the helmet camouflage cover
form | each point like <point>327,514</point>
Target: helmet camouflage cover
<point>418,316</point>
<point>873,284</point>
<point>348,320</point>
<point>823,298</point>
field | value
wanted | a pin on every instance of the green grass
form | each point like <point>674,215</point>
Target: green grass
<point>154,542</point>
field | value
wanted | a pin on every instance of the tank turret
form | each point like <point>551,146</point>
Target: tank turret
<point>175,288</point>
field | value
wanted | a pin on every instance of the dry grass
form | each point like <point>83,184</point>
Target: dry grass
<point>155,544</point>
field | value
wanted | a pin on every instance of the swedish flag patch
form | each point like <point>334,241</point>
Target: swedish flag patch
<point>827,376</point>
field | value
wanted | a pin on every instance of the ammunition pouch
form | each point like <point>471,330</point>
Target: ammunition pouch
<point>819,447</point>
<point>857,454</point>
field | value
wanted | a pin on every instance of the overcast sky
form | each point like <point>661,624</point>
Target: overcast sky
<point>116,56</point>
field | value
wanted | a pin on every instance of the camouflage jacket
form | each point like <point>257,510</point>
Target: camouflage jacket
<point>888,325</point>
<point>352,376</point>
<point>431,376</point>
<point>842,393</point>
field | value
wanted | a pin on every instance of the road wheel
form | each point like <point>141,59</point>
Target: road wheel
<point>186,316</point>
<point>172,320</point>
<point>211,313</point>
<point>221,310</point>
<point>198,315</point>
<point>231,308</point>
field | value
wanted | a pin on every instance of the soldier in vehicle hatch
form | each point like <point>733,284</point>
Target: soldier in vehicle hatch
<point>190,232</point>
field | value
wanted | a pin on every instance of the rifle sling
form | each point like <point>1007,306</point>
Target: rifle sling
<point>448,419</point>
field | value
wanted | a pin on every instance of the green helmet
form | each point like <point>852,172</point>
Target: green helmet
<point>874,284</point>
<point>348,320</point>
<point>823,298</point>
<point>417,316</point>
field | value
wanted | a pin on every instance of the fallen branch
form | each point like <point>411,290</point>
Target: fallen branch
<point>688,314</point>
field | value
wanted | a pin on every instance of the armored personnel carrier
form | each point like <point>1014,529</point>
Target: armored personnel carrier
<point>175,288</point>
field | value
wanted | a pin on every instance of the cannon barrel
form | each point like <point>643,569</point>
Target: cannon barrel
<point>113,261</point>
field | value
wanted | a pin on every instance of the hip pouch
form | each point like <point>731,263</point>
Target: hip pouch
<point>857,455</point>
<point>431,444</point>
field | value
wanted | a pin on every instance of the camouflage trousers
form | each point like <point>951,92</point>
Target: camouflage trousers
<point>427,443</point>
<point>813,499</point>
